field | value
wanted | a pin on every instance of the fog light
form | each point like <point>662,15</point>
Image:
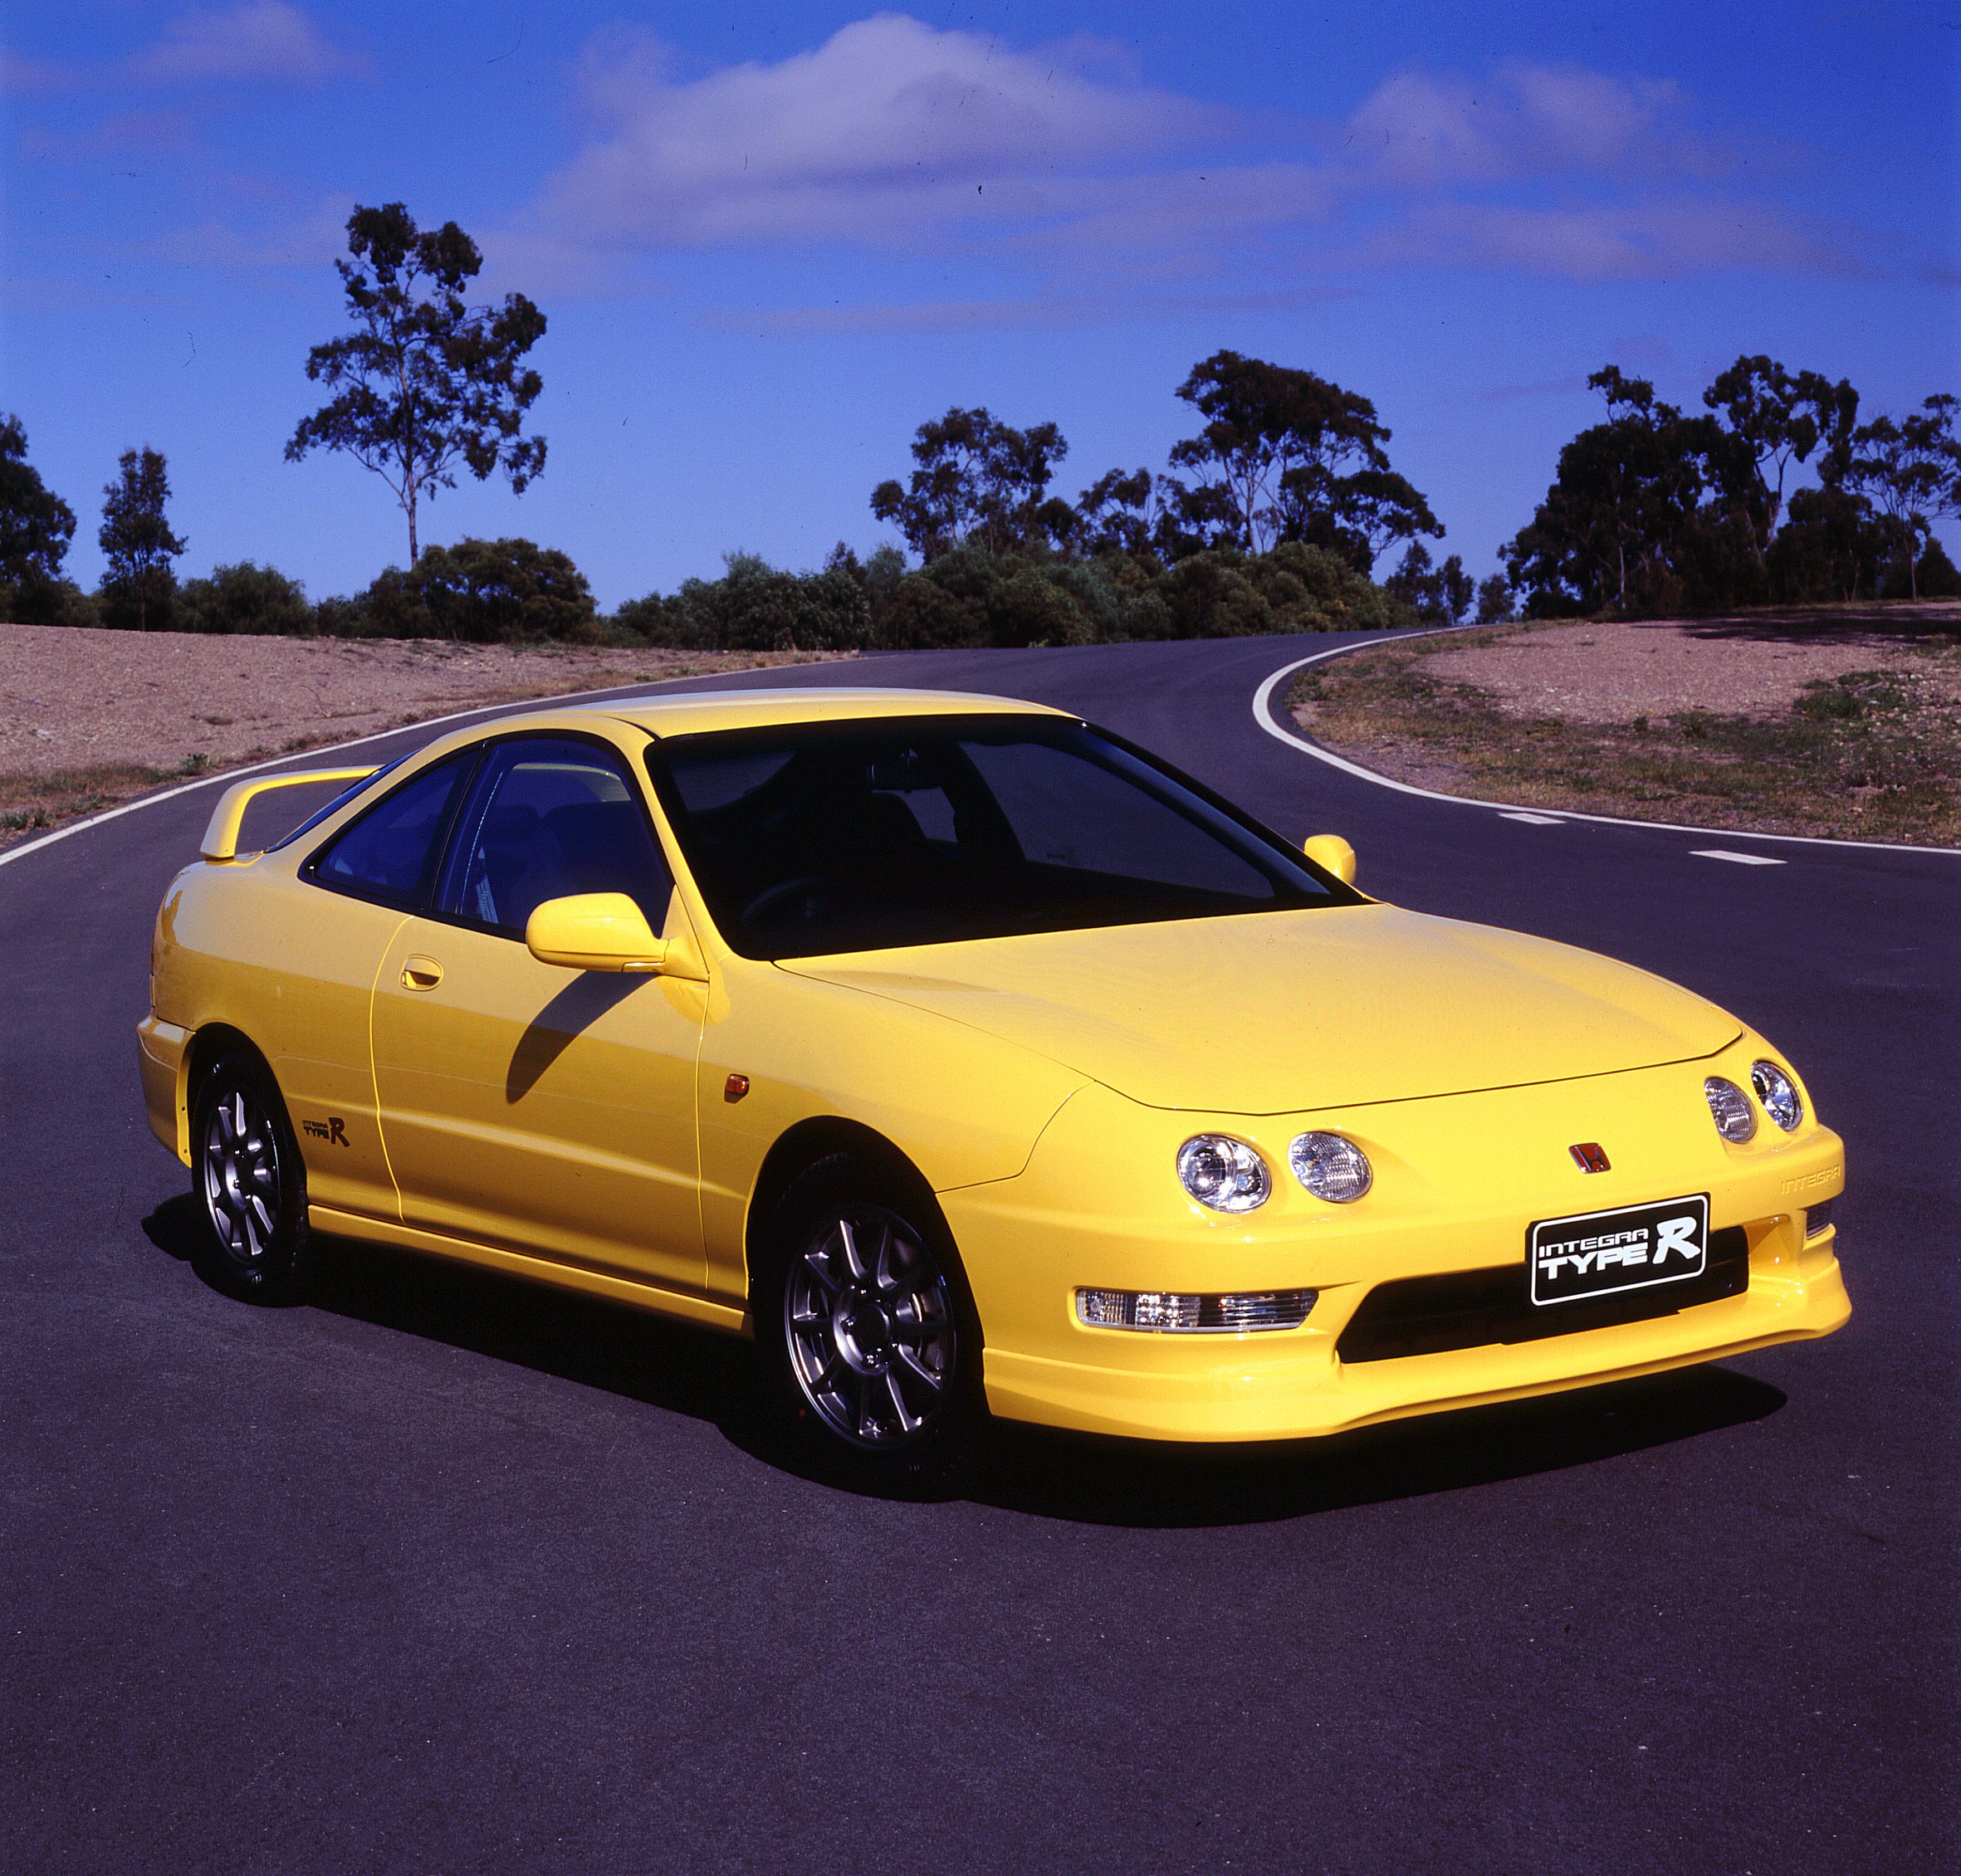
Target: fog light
<point>1774,1088</point>
<point>1817,1219</point>
<point>1730,1108</point>
<point>1183,1312</point>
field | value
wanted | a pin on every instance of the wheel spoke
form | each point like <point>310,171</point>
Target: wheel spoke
<point>853,1262</point>
<point>927,1321</point>
<point>816,1262</point>
<point>886,1268</point>
<point>908,1421</point>
<point>909,1361</point>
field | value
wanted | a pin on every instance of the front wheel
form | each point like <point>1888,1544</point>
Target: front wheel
<point>864,1318</point>
<point>249,1177</point>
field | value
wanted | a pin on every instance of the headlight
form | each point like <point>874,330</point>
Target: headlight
<point>1225,1174</point>
<point>1330,1167</point>
<point>1781,1100</point>
<point>1735,1118</point>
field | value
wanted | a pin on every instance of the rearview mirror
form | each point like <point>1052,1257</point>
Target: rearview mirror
<point>1331,854</point>
<point>593,932</point>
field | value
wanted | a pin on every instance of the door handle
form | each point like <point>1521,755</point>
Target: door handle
<point>421,974</point>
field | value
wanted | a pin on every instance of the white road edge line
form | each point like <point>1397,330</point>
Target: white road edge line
<point>1740,859</point>
<point>1263,715</point>
<point>9,855</point>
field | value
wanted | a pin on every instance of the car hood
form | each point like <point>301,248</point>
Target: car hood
<point>1283,1011</point>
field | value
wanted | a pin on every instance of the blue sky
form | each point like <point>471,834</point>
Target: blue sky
<point>770,239</point>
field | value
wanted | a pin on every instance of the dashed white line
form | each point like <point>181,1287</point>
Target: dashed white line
<point>1737,859</point>
<point>1533,820</point>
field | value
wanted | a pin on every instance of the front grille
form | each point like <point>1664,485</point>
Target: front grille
<point>1474,1308</point>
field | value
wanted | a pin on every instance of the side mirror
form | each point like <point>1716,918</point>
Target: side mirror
<point>593,932</point>
<point>1331,854</point>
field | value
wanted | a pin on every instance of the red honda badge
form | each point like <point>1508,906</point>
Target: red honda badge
<point>1589,1157</point>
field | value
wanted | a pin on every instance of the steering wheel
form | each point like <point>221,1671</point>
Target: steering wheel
<point>773,898</point>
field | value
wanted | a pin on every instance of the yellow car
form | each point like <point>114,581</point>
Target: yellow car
<point>970,1060</point>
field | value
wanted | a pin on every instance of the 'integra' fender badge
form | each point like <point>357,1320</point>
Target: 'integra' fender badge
<point>332,1129</point>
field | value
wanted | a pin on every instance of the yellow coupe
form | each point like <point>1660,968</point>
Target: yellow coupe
<point>970,1060</point>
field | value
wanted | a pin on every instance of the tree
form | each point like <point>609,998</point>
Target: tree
<point>137,539</point>
<point>1437,595</point>
<point>36,526</point>
<point>979,481</point>
<point>426,384</point>
<point>1910,472</point>
<point>1119,513</point>
<point>1780,418</point>
<point>1625,498</point>
<point>1831,546</point>
<point>1286,455</point>
<point>1495,603</point>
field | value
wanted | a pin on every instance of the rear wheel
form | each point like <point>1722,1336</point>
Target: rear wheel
<point>865,1322</point>
<point>251,1180</point>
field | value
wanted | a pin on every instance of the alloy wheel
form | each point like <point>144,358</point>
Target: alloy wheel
<point>241,1177</point>
<point>868,1317</point>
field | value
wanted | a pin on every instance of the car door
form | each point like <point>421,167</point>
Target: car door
<point>524,1104</point>
<point>329,944</point>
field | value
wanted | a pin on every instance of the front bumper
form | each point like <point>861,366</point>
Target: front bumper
<point>1292,1384</point>
<point>1458,1179</point>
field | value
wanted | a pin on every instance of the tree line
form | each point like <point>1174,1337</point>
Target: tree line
<point>1276,515</point>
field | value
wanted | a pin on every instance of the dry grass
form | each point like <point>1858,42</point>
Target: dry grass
<point>1872,751</point>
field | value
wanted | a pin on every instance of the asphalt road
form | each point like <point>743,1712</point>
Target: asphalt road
<point>445,1574</point>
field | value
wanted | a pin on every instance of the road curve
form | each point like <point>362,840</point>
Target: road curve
<point>445,1574</point>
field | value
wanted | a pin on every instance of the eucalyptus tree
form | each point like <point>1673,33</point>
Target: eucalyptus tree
<point>138,541</point>
<point>425,384</point>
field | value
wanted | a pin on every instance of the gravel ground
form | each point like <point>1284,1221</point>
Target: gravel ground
<point>1843,723</point>
<point>77,700</point>
<point>1613,673</point>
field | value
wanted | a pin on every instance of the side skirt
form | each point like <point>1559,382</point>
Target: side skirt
<point>537,1270</point>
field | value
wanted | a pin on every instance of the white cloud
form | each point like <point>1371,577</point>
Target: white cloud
<point>1424,129</point>
<point>894,133</point>
<point>890,128</point>
<point>265,41</point>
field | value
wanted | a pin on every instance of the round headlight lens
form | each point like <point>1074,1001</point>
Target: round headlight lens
<point>1330,1167</point>
<point>1225,1174</point>
<point>1781,1100</point>
<point>1735,1118</point>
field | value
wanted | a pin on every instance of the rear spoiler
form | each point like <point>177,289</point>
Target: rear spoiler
<point>221,837</point>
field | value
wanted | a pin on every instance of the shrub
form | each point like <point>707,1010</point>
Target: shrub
<point>755,607</point>
<point>245,597</point>
<point>483,592</point>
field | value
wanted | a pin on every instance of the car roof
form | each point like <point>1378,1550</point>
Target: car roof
<point>697,713</point>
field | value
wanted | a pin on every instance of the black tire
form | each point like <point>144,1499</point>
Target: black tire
<point>250,1182</point>
<point>869,1340</point>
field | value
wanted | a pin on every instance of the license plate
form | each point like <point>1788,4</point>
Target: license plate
<point>1602,1253</point>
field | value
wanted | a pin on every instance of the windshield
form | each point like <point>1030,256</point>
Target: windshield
<point>850,836</point>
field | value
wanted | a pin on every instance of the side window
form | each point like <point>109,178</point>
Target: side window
<point>392,850</point>
<point>550,816</point>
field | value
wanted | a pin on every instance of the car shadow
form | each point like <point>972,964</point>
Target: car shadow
<point>1074,1477</point>
<point>562,1021</point>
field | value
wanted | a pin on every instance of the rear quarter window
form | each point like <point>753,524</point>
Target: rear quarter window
<point>391,852</point>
